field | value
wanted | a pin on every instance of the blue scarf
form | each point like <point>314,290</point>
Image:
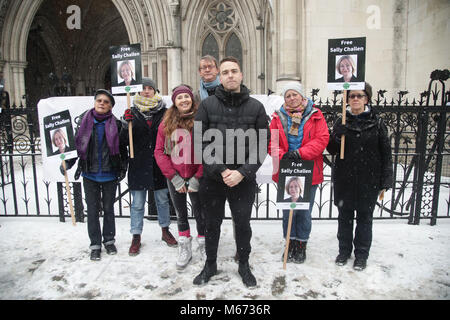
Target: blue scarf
<point>207,85</point>
<point>295,142</point>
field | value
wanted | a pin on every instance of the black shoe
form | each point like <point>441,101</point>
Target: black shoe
<point>341,259</point>
<point>247,277</point>
<point>111,249</point>
<point>96,254</point>
<point>299,255</point>
<point>209,270</point>
<point>291,251</point>
<point>360,264</point>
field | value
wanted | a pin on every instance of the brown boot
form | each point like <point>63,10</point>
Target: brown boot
<point>135,245</point>
<point>168,237</point>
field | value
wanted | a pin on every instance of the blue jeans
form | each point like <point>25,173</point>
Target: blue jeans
<point>138,208</point>
<point>301,220</point>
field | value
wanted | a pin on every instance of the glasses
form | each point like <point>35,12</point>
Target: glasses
<point>359,96</point>
<point>210,66</point>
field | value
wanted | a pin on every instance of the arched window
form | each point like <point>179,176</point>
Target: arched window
<point>210,47</point>
<point>234,48</point>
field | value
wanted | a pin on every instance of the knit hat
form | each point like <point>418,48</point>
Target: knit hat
<point>296,86</point>
<point>107,93</point>
<point>150,83</point>
<point>182,89</point>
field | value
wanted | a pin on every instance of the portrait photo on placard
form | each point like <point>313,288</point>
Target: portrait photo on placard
<point>126,73</point>
<point>59,138</point>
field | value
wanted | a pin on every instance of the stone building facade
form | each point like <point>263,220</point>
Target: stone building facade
<point>54,47</point>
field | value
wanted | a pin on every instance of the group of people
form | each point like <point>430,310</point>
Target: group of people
<point>178,152</point>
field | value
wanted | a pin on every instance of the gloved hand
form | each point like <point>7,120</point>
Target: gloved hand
<point>178,182</point>
<point>128,115</point>
<point>193,184</point>
<point>61,169</point>
<point>339,130</point>
<point>292,155</point>
<point>77,173</point>
<point>121,175</point>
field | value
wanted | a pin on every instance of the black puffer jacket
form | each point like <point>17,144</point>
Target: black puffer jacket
<point>367,165</point>
<point>143,171</point>
<point>245,151</point>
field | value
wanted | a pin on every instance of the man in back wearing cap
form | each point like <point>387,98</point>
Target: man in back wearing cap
<point>144,174</point>
<point>102,163</point>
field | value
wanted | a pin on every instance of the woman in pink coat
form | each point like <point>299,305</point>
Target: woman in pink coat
<point>174,153</point>
<point>298,131</point>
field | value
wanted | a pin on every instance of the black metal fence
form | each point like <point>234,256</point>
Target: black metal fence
<point>420,139</point>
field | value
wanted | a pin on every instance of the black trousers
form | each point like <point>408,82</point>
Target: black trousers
<point>363,231</point>
<point>180,204</point>
<point>100,196</point>
<point>213,195</point>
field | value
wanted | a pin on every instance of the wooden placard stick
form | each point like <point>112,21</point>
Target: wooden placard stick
<point>288,235</point>
<point>69,194</point>
<point>130,128</point>
<point>344,113</point>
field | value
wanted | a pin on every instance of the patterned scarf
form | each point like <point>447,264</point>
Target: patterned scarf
<point>146,104</point>
<point>296,115</point>
<point>85,132</point>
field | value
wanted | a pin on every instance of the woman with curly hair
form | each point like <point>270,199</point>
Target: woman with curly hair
<point>174,154</point>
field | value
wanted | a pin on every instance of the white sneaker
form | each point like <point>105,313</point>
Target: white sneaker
<point>201,247</point>
<point>184,252</point>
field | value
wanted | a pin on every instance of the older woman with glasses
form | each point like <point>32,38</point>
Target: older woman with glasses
<point>361,176</point>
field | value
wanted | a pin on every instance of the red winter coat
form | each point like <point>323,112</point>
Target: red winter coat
<point>315,140</point>
<point>185,166</point>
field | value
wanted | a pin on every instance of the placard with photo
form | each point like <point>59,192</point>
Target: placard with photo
<point>346,63</point>
<point>59,137</point>
<point>126,75</point>
<point>294,184</point>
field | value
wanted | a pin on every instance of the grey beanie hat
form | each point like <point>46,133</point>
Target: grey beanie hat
<point>107,93</point>
<point>149,82</point>
<point>296,86</point>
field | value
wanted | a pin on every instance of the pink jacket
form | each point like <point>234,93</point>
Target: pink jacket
<point>315,140</point>
<point>184,164</point>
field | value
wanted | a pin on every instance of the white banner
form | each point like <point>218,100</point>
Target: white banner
<point>54,107</point>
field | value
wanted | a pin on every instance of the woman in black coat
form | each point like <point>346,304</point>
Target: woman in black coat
<point>361,176</point>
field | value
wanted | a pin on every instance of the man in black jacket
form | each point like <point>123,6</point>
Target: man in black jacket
<point>233,130</point>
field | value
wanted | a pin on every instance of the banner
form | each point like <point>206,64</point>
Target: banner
<point>73,107</point>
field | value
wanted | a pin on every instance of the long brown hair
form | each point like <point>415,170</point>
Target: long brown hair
<point>174,120</point>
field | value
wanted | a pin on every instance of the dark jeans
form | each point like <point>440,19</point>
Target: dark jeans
<point>180,203</point>
<point>363,231</point>
<point>100,196</point>
<point>213,195</point>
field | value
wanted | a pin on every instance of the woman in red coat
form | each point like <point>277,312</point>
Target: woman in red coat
<point>298,131</point>
<point>174,153</point>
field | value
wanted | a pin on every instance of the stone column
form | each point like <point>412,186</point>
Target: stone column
<point>174,47</point>
<point>17,84</point>
<point>289,36</point>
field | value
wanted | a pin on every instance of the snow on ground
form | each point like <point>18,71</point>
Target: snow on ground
<point>43,258</point>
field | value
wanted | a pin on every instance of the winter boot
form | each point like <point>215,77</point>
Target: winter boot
<point>135,245</point>
<point>291,250</point>
<point>359,264</point>
<point>111,249</point>
<point>247,277</point>
<point>209,270</point>
<point>184,252</point>
<point>201,247</point>
<point>168,237</point>
<point>96,254</point>
<point>341,259</point>
<point>300,252</point>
